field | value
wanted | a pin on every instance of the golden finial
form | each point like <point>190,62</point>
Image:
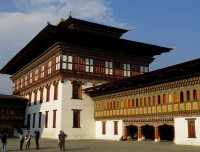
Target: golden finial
<point>70,14</point>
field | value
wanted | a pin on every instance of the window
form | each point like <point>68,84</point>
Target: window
<point>89,66</point>
<point>33,120</point>
<point>41,95</point>
<point>22,81</point>
<point>169,97</point>
<point>127,70</point>
<point>31,78</point>
<point>55,91</point>
<point>17,84</point>
<point>54,118</point>
<point>149,100</point>
<point>49,67</point>
<point>57,62</point>
<point>26,80</point>
<point>35,97</point>
<point>194,94</point>
<point>36,74</point>
<point>48,94</point>
<point>46,119</point>
<point>141,102</point>
<point>191,128</point>
<point>181,96</point>
<point>144,69</point>
<point>154,100</point>
<point>76,118</point>
<point>115,127</point>
<point>76,92</point>
<point>136,102</point>
<point>164,98</point>
<point>108,68</point>
<point>145,102</point>
<point>28,121</point>
<point>188,95</point>
<point>175,97</point>
<point>67,62</point>
<point>159,99</point>
<point>39,120</point>
<point>42,71</point>
<point>104,128</point>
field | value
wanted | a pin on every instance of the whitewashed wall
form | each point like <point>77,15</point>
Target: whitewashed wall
<point>51,105</point>
<point>109,130</point>
<point>181,131</point>
<point>86,105</point>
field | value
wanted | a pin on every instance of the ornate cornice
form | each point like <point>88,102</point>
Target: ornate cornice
<point>155,87</point>
<point>40,60</point>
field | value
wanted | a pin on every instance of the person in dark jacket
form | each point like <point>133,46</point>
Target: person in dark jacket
<point>61,140</point>
<point>4,141</point>
<point>37,136</point>
<point>21,139</point>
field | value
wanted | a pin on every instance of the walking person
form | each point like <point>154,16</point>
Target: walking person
<point>28,140</point>
<point>4,141</point>
<point>61,138</point>
<point>37,136</point>
<point>21,139</point>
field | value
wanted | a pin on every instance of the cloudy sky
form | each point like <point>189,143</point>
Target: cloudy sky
<point>161,22</point>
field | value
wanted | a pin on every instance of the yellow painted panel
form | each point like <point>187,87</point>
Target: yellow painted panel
<point>141,110</point>
<point>111,113</point>
<point>149,109</point>
<point>195,106</point>
<point>154,109</point>
<point>169,108</point>
<point>188,106</point>
<point>114,112</point>
<point>136,111</point>
<point>107,113</point>
<point>182,107</point>
<point>176,107</point>
<point>117,112</point>
<point>158,108</point>
<point>129,111</point>
<point>164,108</point>
<point>121,112</point>
<point>145,110</point>
<point>133,111</point>
<point>104,113</point>
<point>125,111</point>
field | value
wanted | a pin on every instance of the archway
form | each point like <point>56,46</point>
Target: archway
<point>166,132</point>
<point>148,132</point>
<point>131,130</point>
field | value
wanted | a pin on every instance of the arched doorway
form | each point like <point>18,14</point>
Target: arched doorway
<point>148,132</point>
<point>131,130</point>
<point>166,132</point>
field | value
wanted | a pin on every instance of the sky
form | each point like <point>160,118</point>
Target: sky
<point>168,23</point>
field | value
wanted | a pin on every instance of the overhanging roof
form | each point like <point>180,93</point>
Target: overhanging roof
<point>73,23</point>
<point>155,77</point>
<point>52,34</point>
<point>12,99</point>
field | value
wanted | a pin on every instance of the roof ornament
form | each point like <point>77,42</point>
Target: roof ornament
<point>70,14</point>
<point>48,22</point>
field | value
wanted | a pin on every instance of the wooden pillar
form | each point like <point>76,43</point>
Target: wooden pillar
<point>125,131</point>
<point>156,134</point>
<point>139,133</point>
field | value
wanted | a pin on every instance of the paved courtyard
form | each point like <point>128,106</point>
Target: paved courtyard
<point>50,145</point>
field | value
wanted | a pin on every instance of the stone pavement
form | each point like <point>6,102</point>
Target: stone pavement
<point>50,145</point>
